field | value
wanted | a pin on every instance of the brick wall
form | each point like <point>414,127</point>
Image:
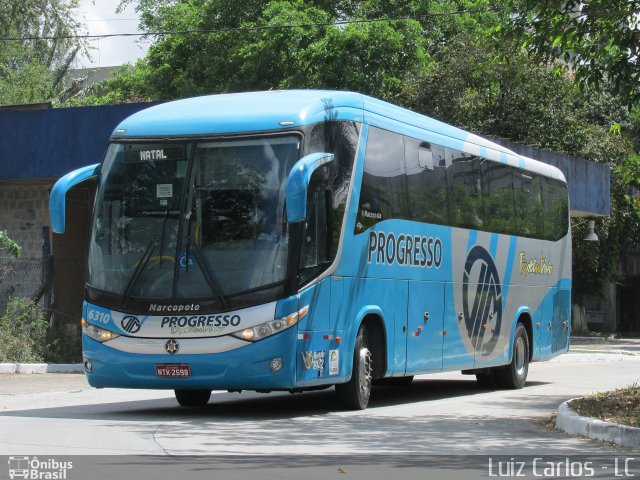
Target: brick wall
<point>24,210</point>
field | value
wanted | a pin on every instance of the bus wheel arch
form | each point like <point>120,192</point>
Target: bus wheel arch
<point>369,362</point>
<point>525,319</point>
<point>514,374</point>
<point>377,334</point>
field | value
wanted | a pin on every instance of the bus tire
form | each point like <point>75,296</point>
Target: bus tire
<point>355,394</point>
<point>193,398</point>
<point>514,375</point>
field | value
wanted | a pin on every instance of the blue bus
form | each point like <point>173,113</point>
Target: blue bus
<point>297,240</point>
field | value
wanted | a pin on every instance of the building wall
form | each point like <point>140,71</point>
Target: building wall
<point>52,142</point>
<point>24,211</point>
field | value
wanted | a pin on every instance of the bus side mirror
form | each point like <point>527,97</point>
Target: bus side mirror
<point>57,198</point>
<point>298,184</point>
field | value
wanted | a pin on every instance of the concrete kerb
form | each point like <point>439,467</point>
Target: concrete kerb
<point>570,422</point>
<point>41,368</point>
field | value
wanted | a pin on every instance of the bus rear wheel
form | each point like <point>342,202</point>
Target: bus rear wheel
<point>356,392</point>
<point>193,398</point>
<point>514,375</point>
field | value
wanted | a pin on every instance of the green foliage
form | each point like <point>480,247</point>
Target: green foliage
<point>598,39</point>
<point>23,332</point>
<point>497,89</point>
<point>474,70</point>
<point>63,346</point>
<point>7,244</point>
<point>35,58</point>
<point>250,45</point>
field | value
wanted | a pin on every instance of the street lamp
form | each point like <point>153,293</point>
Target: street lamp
<point>591,234</point>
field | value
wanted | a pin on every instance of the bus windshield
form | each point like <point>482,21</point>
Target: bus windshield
<point>191,220</point>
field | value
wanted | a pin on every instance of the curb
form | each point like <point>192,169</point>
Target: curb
<point>570,422</point>
<point>594,357</point>
<point>8,368</point>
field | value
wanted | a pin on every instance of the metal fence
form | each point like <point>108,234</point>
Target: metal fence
<point>27,278</point>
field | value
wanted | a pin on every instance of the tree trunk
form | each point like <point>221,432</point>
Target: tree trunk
<point>579,320</point>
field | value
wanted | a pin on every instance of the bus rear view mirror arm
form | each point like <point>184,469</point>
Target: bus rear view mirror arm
<point>298,184</point>
<point>58,197</point>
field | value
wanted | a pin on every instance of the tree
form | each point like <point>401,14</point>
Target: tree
<point>599,39</point>
<point>9,245</point>
<point>495,89</point>
<point>370,46</point>
<point>36,49</point>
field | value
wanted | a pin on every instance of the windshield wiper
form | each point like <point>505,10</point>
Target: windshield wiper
<point>139,268</point>
<point>209,276</point>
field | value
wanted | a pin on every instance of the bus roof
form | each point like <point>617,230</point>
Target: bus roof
<point>289,109</point>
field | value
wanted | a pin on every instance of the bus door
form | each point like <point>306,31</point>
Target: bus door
<point>425,319</point>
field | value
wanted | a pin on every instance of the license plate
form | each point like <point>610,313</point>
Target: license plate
<point>173,370</point>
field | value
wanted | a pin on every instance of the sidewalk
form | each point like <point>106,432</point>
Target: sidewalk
<point>604,346</point>
<point>599,349</point>
<point>41,368</point>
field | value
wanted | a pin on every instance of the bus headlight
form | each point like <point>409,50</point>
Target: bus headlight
<point>99,334</point>
<point>272,327</point>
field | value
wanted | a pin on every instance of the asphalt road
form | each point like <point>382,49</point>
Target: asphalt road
<point>444,414</point>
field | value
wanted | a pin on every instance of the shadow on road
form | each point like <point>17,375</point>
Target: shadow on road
<point>255,406</point>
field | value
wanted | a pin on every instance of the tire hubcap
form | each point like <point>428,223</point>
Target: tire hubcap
<point>520,357</point>
<point>364,370</point>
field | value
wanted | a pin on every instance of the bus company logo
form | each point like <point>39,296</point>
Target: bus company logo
<point>130,324</point>
<point>535,266</point>
<point>481,300</point>
<point>33,468</point>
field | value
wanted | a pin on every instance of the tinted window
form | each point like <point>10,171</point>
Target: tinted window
<point>445,186</point>
<point>341,139</point>
<point>426,182</point>
<point>383,193</point>
<point>554,196</point>
<point>327,197</point>
<point>465,190</point>
<point>497,193</point>
<point>529,206</point>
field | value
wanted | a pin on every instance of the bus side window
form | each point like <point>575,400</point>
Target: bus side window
<point>556,206</point>
<point>529,207</point>
<point>465,195</point>
<point>383,195</point>
<point>341,139</point>
<point>498,198</point>
<point>315,254</point>
<point>426,182</point>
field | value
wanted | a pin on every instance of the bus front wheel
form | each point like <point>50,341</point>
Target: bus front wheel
<point>356,392</point>
<point>193,398</point>
<point>514,375</point>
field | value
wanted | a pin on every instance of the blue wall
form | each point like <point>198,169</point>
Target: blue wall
<point>589,182</point>
<point>49,143</point>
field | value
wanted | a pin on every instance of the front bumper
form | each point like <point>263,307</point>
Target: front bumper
<point>245,368</point>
